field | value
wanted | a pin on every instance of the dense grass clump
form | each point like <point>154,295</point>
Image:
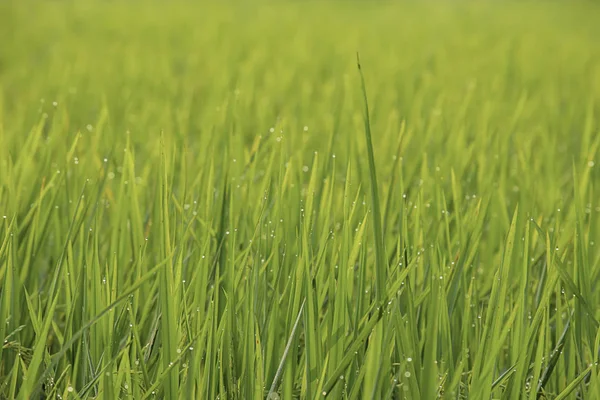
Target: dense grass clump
<point>205,201</point>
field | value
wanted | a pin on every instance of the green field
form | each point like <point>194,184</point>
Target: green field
<point>191,208</point>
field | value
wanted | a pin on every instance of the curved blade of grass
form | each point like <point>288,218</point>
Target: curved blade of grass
<point>556,353</point>
<point>567,391</point>
<point>285,353</point>
<point>380,267</point>
<point>375,351</point>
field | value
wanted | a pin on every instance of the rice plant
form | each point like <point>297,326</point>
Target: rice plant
<point>216,201</point>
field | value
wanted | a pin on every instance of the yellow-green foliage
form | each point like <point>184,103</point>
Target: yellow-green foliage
<point>189,209</point>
